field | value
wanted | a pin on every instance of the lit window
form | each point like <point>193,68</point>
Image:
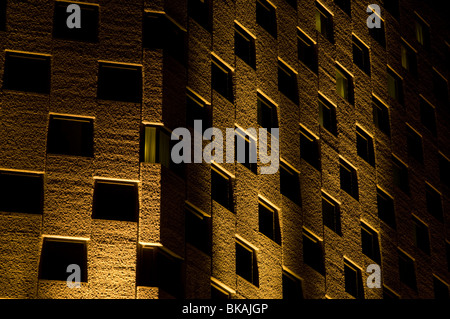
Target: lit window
<point>428,116</point>
<point>324,22</point>
<point>309,148</point>
<point>198,229</point>
<point>290,183</point>
<point>369,243</point>
<point>267,113</point>
<point>422,32</point>
<point>409,59</point>
<point>221,188</point>
<point>353,280</point>
<point>244,46</point>
<point>246,263</point>
<point>395,86</point>
<point>421,235</point>
<point>312,252</point>
<point>414,144</point>
<point>327,116</point>
<point>287,82</point>
<point>292,287</point>
<point>307,52</point>
<point>119,82</point>
<point>400,175</point>
<point>344,84</point>
<point>407,270</point>
<point>434,202</point>
<point>349,179</point>
<point>199,10</point>
<point>269,224</point>
<point>89,22</point>
<point>222,79</point>
<point>361,55</point>
<point>331,214</point>
<point>381,116</point>
<point>266,16</point>
<point>440,289</point>
<point>364,146</point>
<point>385,205</point>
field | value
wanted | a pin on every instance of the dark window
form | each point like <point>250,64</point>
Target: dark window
<point>119,82</point>
<point>428,116</point>
<point>344,84</point>
<point>309,148</point>
<point>331,214</point>
<point>158,268</point>
<point>395,86</point>
<point>353,281</point>
<point>221,190</point>
<point>70,136</point>
<point>27,72</point>
<point>246,263</point>
<point>389,294</point>
<point>324,22</point>
<point>57,254</point>
<point>312,252</point>
<point>392,7</point>
<point>198,229</point>
<point>115,200</point>
<point>292,3</point>
<point>287,82</point>
<point>406,269</point>
<point>361,55</point>
<point>400,175</point>
<point>244,46</point>
<point>196,109</point>
<point>292,287</point>
<point>444,170</point>
<point>266,16</point>
<point>290,183</point>
<point>364,146</point>
<point>199,10</point>
<point>247,144</point>
<point>421,237</point>
<point>414,143</point>
<point>222,79</point>
<point>3,4</point>
<point>267,113</point>
<point>307,52</point>
<point>440,86</point>
<point>378,34</point>
<point>386,210</point>
<point>381,116</point>
<point>434,202</point>
<point>349,179</point>
<point>447,249</point>
<point>89,22</point>
<point>21,192</point>
<point>345,5</point>
<point>218,293</point>
<point>327,116</point>
<point>422,33</point>
<point>269,224</point>
<point>440,289</point>
<point>369,243</point>
<point>409,59</point>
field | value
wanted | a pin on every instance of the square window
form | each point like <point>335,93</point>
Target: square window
<point>400,175</point>
<point>27,72</point>
<point>290,183</point>
<point>422,33</point>
<point>307,51</point>
<point>269,224</point>
<point>246,263</point>
<point>245,150</point>
<point>440,87</point>
<point>3,6</point>
<point>353,280</point>
<point>440,289</point>
<point>392,6</point>
<point>57,254</point>
<point>312,252</point>
<point>434,203</point>
<point>378,34</point>
<point>395,86</point>
<point>119,82</point>
<point>115,200</point>
<point>414,143</point>
<point>349,179</point>
<point>244,46</point>
<point>217,293</point>
<point>70,136</point>
<point>409,59</point>
<point>386,211</point>
<point>327,116</point>
<point>444,170</point>
<point>361,55</point>
<point>222,79</point>
<point>266,16</point>
<point>364,146</point>
<point>292,287</point>
<point>221,190</point>
<point>309,148</point>
<point>324,22</point>
<point>406,269</point>
<point>196,109</point>
<point>89,22</point>
<point>369,243</point>
<point>287,82</point>
<point>21,192</point>
<point>267,113</point>
<point>345,5</point>
<point>331,213</point>
<point>428,116</point>
<point>421,236</point>
<point>200,11</point>
<point>344,84</point>
<point>381,116</point>
<point>198,229</point>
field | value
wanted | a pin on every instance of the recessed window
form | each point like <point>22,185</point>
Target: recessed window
<point>222,79</point>
<point>406,269</point>
<point>292,3</point>
<point>292,287</point>
<point>115,200</point>
<point>27,72</point>
<point>21,192</point>
<point>269,223</point>
<point>3,4</point>
<point>434,202</point>
<point>440,87</point>
<point>421,235</point>
<point>447,250</point>
<point>221,188</point>
<point>361,55</point>
<point>198,227</point>
<point>324,22</point>
<point>422,32</point>
<point>290,183</point>
<point>414,144</point>
<point>369,243</point>
<point>200,11</point>
<point>287,82</point>
<point>364,146</point>
<point>196,109</point>
<point>400,175</point>
<point>353,280</point>
<point>309,148</point>
<point>307,51</point>
<point>344,84</point>
<point>392,6</point>
<point>244,45</point>
<point>389,294</point>
<point>444,170</point>
<point>218,293</point>
<point>267,113</point>
<point>331,213</point>
<point>385,205</point>
<point>57,254</point>
<point>327,116</point>
<point>246,263</point>
<point>245,145</point>
<point>428,116</point>
<point>70,136</point>
<point>312,252</point>
<point>349,179</point>
<point>409,59</point>
<point>157,267</point>
<point>395,86</point>
<point>381,116</point>
<point>345,5</point>
<point>378,34</point>
<point>266,16</point>
<point>119,82</point>
<point>89,22</point>
<point>440,289</point>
